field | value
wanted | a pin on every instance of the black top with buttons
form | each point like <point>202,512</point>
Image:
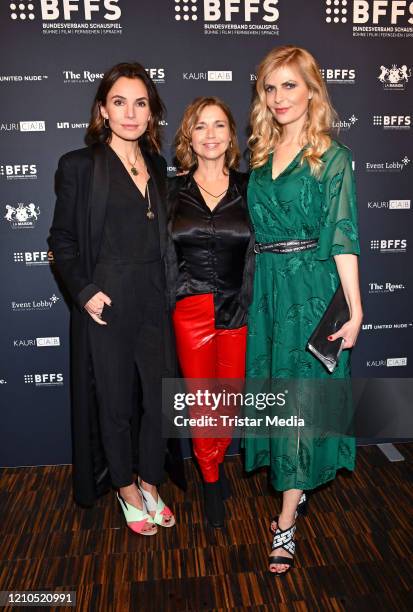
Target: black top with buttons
<point>211,251</point>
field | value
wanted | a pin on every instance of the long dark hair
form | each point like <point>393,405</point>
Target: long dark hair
<point>97,132</point>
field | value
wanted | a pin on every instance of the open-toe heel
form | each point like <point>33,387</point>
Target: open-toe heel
<point>163,515</point>
<point>283,538</point>
<point>137,519</point>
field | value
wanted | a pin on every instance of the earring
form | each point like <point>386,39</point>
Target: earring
<point>107,126</point>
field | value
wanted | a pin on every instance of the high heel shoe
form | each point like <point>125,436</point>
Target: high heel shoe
<point>224,482</point>
<point>283,538</point>
<point>214,505</point>
<point>137,519</point>
<point>162,512</point>
<point>302,510</point>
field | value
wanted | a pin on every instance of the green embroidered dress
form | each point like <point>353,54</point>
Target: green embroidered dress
<point>291,292</point>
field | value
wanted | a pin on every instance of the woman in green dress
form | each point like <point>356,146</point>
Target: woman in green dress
<point>301,189</point>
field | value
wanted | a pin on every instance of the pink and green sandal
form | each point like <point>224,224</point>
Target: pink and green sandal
<point>137,519</point>
<point>162,512</point>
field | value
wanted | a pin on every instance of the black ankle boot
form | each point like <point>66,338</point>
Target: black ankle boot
<point>214,505</point>
<point>225,486</point>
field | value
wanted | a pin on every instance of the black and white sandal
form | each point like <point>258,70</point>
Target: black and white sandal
<point>283,538</point>
<point>302,510</point>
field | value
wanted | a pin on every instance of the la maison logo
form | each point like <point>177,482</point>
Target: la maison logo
<point>44,379</point>
<point>22,216</point>
<point>394,78</point>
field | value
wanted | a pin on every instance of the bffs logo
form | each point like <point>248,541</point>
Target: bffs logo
<point>33,258</point>
<point>70,16</point>
<point>392,245</point>
<point>339,76</point>
<point>13,172</point>
<point>230,17</point>
<point>372,18</point>
<point>393,122</point>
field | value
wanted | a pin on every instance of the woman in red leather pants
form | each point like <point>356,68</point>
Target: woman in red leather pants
<point>210,269</point>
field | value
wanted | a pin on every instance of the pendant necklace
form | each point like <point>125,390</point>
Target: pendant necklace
<point>133,169</point>
<point>209,193</point>
<point>149,212</point>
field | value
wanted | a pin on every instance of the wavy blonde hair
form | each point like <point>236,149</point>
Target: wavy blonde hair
<point>265,129</point>
<point>185,156</point>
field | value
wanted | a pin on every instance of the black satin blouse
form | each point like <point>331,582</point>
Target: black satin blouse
<point>211,251</point>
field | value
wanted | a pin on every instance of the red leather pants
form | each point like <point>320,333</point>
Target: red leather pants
<point>207,352</point>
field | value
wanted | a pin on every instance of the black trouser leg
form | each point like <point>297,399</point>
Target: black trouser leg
<point>115,372</point>
<point>152,444</point>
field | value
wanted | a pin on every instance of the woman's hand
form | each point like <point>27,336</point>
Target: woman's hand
<point>95,306</point>
<point>349,331</point>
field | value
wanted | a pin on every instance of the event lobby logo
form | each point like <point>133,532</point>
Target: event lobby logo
<point>388,166</point>
<point>71,16</point>
<point>345,124</point>
<point>34,305</point>
<point>372,18</point>
<point>230,17</point>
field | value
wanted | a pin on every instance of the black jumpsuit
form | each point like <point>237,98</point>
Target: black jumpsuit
<point>126,353</point>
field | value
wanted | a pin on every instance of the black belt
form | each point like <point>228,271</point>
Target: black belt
<point>286,246</point>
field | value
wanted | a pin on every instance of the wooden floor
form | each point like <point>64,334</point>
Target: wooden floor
<point>354,549</point>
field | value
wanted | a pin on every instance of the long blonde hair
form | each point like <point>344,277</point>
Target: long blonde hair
<point>266,131</point>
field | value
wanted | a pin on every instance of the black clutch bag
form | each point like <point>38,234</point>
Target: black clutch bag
<point>336,314</point>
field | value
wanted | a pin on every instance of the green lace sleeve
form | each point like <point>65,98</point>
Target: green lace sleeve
<point>338,224</point>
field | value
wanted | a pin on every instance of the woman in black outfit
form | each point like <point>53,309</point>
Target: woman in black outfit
<point>210,272</point>
<point>108,240</point>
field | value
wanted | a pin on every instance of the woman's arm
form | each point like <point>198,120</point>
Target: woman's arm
<point>347,268</point>
<point>64,243</point>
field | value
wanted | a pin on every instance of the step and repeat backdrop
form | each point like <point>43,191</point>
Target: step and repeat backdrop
<point>54,53</point>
